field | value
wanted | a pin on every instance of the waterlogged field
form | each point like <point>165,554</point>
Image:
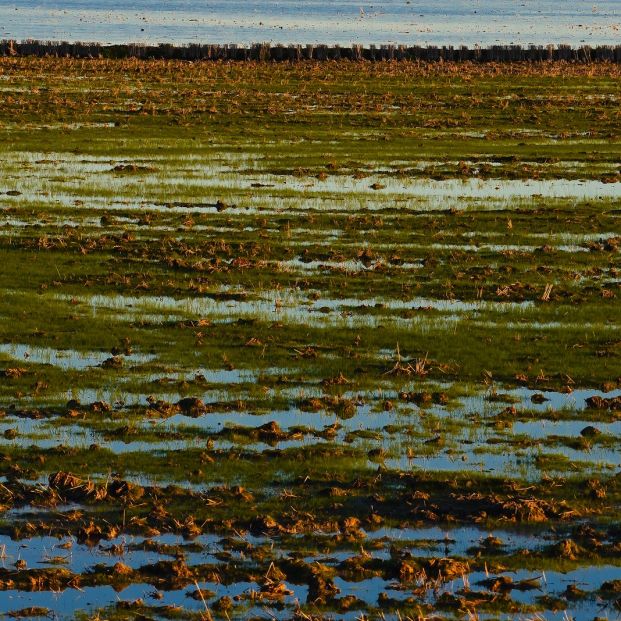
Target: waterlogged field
<point>315,341</point>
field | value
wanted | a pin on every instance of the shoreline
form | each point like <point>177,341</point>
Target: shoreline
<point>296,53</point>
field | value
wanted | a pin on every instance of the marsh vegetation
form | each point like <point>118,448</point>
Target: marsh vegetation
<point>309,341</point>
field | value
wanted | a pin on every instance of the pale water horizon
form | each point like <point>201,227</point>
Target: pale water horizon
<point>410,22</point>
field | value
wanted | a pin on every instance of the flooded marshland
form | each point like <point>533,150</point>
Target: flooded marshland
<point>313,341</point>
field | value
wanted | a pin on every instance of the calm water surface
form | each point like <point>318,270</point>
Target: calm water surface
<point>454,22</point>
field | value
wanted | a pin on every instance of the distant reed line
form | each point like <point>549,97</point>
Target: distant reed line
<point>294,53</point>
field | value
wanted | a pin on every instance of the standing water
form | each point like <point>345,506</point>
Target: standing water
<point>445,22</point>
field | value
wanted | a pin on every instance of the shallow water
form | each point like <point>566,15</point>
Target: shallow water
<point>65,358</point>
<point>38,551</point>
<point>445,22</point>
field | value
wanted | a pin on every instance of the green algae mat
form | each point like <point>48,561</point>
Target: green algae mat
<point>316,341</point>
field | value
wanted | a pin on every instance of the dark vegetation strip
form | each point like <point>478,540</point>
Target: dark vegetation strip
<point>296,52</point>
